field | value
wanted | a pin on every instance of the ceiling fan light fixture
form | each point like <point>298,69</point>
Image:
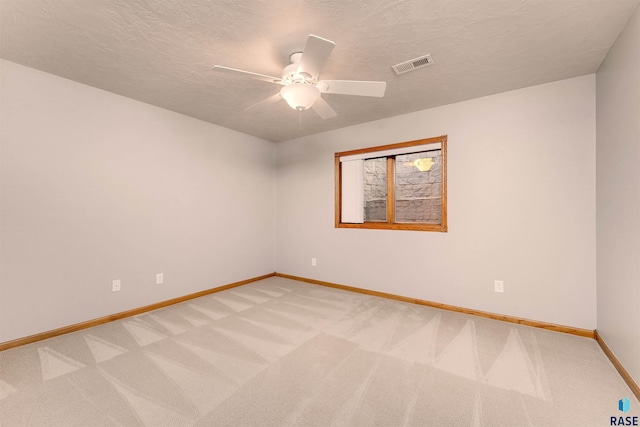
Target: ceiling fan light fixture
<point>300,83</point>
<point>300,96</point>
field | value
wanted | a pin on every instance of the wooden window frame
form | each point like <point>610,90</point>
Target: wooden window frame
<point>390,224</point>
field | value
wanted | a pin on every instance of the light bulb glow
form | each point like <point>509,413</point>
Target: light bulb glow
<point>300,96</point>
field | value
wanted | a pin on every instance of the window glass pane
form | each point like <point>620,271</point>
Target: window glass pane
<point>418,184</point>
<point>375,190</point>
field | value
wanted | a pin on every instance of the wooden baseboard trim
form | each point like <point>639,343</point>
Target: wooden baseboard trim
<point>536,324</point>
<point>133,312</point>
<point>635,388</point>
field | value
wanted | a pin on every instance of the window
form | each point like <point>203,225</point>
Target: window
<point>399,186</point>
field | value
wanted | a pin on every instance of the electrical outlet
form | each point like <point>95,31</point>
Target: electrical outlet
<point>159,278</point>
<point>498,286</point>
<point>115,285</point>
<point>313,262</point>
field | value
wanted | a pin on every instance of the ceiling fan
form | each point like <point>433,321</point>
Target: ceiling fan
<point>301,87</point>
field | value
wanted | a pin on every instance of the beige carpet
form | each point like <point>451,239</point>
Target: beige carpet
<point>280,352</point>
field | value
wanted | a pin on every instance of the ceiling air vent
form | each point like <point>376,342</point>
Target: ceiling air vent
<point>412,64</point>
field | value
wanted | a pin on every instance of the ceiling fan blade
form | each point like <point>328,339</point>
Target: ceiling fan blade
<point>268,101</point>
<point>256,76</point>
<point>314,55</point>
<point>323,109</point>
<point>352,87</point>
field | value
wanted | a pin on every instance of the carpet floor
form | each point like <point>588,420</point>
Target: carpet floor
<point>284,353</point>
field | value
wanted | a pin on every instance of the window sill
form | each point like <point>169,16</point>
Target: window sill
<point>395,226</point>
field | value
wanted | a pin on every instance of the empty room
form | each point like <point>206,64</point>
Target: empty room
<point>319,213</point>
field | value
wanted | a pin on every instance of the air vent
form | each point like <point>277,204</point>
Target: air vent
<point>412,64</point>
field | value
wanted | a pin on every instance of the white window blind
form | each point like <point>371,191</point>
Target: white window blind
<point>352,191</point>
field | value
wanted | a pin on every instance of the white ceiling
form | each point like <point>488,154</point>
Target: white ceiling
<point>161,51</point>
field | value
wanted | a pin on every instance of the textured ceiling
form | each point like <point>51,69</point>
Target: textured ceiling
<point>161,51</point>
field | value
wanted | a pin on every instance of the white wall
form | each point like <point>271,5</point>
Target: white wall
<point>618,197</point>
<point>96,187</point>
<point>521,199</point>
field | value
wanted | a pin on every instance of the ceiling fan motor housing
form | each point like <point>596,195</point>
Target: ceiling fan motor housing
<point>290,73</point>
